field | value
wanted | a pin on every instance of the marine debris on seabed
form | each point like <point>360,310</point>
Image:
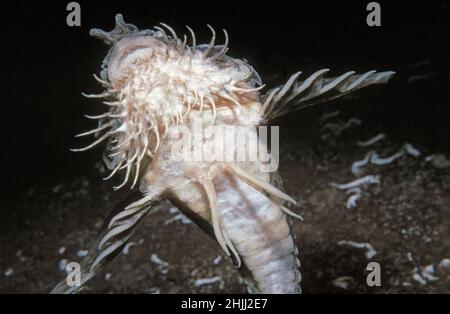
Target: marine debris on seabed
<point>370,251</point>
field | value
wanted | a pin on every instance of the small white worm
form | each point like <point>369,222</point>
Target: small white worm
<point>208,281</point>
<point>428,273</point>
<point>157,260</point>
<point>373,157</point>
<point>372,140</point>
<point>356,195</point>
<point>357,165</point>
<point>329,115</point>
<point>376,160</point>
<point>445,263</point>
<point>337,128</point>
<point>82,253</point>
<point>371,252</point>
<point>369,179</point>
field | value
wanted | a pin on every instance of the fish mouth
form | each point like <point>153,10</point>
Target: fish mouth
<point>126,52</point>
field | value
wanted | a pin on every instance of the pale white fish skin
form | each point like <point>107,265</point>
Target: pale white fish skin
<point>261,235</point>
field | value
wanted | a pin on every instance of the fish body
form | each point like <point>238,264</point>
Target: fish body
<point>184,125</point>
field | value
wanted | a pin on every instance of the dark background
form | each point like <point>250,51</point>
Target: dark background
<point>46,65</point>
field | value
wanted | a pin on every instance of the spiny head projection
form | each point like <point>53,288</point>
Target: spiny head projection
<point>153,80</point>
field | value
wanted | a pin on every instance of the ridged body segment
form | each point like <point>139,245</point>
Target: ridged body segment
<point>261,234</point>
